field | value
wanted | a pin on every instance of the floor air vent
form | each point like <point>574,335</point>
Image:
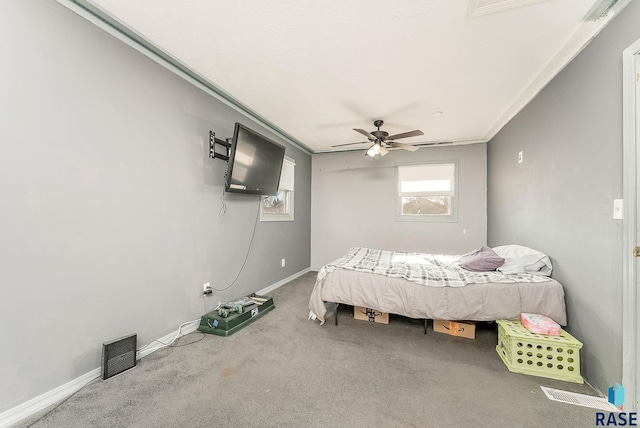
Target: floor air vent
<point>579,399</point>
<point>118,355</point>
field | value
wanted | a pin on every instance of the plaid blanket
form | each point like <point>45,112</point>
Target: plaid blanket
<point>434,270</point>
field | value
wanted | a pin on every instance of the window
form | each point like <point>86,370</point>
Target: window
<point>280,207</point>
<point>426,192</point>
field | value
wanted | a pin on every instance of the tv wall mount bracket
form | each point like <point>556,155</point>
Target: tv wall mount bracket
<point>213,154</point>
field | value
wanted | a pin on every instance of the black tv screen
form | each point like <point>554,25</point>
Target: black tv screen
<point>255,163</point>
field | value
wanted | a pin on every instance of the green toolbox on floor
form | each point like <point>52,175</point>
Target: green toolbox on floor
<point>223,322</point>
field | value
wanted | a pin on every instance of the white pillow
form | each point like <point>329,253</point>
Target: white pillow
<point>520,260</point>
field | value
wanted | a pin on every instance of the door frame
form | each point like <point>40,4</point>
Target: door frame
<point>630,168</point>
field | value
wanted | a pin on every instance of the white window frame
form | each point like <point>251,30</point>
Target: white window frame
<point>432,218</point>
<point>287,184</point>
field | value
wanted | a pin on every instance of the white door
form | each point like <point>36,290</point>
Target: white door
<point>635,302</point>
<point>631,232</point>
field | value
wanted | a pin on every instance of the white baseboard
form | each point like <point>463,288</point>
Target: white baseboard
<point>47,399</point>
<point>278,284</point>
<point>168,339</point>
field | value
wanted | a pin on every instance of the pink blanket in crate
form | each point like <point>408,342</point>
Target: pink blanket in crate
<point>540,324</point>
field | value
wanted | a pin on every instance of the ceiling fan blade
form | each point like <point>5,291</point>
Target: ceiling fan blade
<point>365,133</point>
<point>403,146</point>
<point>406,135</point>
<point>351,144</point>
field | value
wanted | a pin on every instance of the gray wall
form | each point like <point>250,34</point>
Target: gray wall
<point>354,204</point>
<point>560,199</point>
<point>109,222</point>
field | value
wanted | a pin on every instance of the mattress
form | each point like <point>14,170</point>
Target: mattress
<point>475,302</point>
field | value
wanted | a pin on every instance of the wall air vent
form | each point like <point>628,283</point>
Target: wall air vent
<point>599,10</point>
<point>118,355</point>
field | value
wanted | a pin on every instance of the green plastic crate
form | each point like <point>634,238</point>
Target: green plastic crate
<point>555,357</point>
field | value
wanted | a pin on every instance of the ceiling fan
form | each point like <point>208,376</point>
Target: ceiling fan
<point>382,141</point>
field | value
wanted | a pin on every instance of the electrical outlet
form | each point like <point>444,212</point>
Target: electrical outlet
<point>206,289</point>
<point>283,262</point>
<point>520,157</point>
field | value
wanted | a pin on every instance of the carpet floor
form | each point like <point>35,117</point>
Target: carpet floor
<point>286,371</point>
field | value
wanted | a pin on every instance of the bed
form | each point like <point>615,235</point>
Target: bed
<point>431,286</point>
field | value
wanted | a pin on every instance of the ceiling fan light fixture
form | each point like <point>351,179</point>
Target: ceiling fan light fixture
<point>374,150</point>
<point>381,141</point>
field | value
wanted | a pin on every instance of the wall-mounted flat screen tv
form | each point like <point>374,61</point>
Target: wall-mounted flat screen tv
<point>255,163</point>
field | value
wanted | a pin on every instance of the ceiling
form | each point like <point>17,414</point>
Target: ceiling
<point>312,70</point>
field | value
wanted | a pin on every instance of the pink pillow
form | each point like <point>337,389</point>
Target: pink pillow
<point>483,259</point>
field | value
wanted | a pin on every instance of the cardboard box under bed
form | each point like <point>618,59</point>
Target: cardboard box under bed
<point>456,328</point>
<point>369,314</point>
